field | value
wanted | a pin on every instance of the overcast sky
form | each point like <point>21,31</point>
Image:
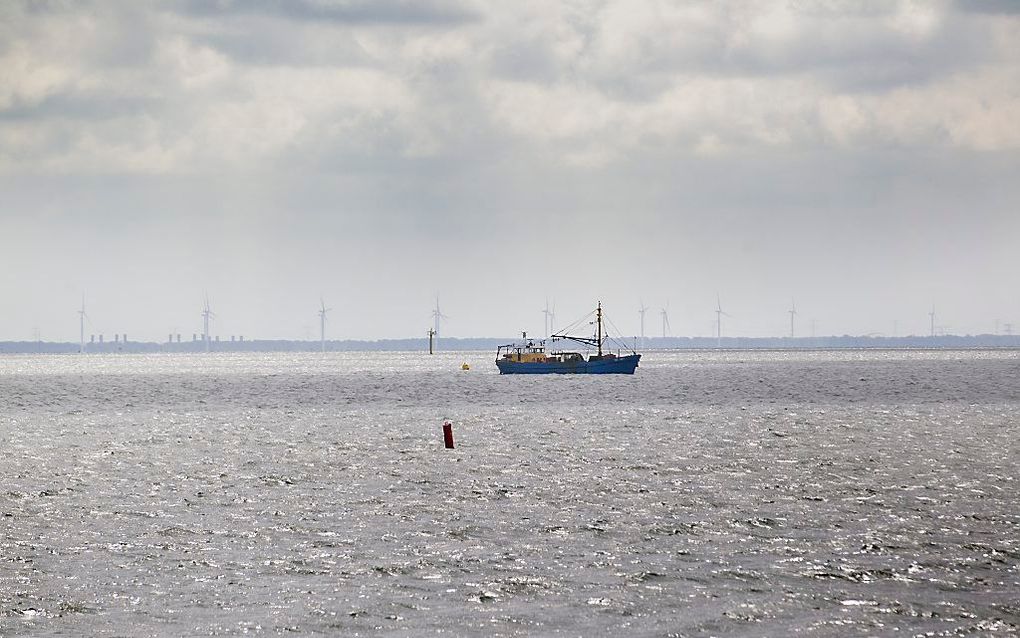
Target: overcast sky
<point>861,157</point>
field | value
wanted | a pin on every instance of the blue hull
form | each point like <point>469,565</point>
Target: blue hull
<point>616,365</point>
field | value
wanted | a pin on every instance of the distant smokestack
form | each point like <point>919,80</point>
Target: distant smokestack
<point>92,338</point>
<point>100,337</point>
<point>231,337</point>
<point>194,336</point>
<point>170,338</point>
<point>125,337</point>
<point>178,337</point>
<point>116,337</point>
<point>217,338</point>
<point>242,337</point>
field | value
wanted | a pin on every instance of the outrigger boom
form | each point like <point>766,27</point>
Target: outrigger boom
<point>597,342</point>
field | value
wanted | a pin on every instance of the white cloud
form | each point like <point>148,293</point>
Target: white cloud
<point>27,80</point>
<point>192,67</point>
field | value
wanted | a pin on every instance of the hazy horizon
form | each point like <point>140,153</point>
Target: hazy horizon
<point>857,157</point>
<point>804,328</point>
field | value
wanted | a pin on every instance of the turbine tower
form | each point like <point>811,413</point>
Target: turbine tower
<point>438,316</point>
<point>322,322</point>
<point>665,320</point>
<point>719,314</point>
<point>207,314</point>
<point>550,317</point>
<point>641,311</point>
<point>81,317</point>
<point>793,313</point>
<point>931,315</point>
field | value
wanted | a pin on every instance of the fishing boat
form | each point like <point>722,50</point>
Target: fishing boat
<point>531,356</point>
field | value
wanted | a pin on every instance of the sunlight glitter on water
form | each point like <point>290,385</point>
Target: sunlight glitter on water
<point>724,493</point>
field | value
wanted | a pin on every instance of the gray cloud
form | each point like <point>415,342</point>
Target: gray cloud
<point>436,12</point>
<point>261,41</point>
<point>994,7</point>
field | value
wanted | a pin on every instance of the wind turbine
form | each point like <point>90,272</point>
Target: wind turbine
<point>207,314</point>
<point>793,313</point>
<point>81,316</point>
<point>665,320</point>
<point>641,311</point>
<point>438,316</point>
<point>550,317</point>
<point>932,316</point>
<point>719,314</point>
<point>322,322</point>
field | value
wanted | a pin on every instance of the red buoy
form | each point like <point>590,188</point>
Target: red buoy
<point>448,434</point>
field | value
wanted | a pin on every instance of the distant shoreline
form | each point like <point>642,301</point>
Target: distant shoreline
<point>455,344</point>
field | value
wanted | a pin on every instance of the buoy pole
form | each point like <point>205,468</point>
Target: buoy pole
<point>448,435</point>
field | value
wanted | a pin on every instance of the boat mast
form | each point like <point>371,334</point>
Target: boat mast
<point>598,314</point>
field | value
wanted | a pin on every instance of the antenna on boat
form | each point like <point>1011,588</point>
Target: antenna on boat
<point>598,314</point>
<point>322,322</point>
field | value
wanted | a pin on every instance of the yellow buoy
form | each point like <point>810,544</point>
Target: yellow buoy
<point>465,366</point>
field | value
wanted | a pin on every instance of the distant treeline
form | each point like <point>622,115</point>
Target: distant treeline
<point>454,344</point>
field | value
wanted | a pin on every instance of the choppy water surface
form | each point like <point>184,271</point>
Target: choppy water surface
<point>738,493</point>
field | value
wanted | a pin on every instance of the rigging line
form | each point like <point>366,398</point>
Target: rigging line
<point>609,321</point>
<point>614,340</point>
<point>576,324</point>
<point>584,321</point>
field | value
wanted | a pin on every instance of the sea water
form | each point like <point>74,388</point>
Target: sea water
<point>710,494</point>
